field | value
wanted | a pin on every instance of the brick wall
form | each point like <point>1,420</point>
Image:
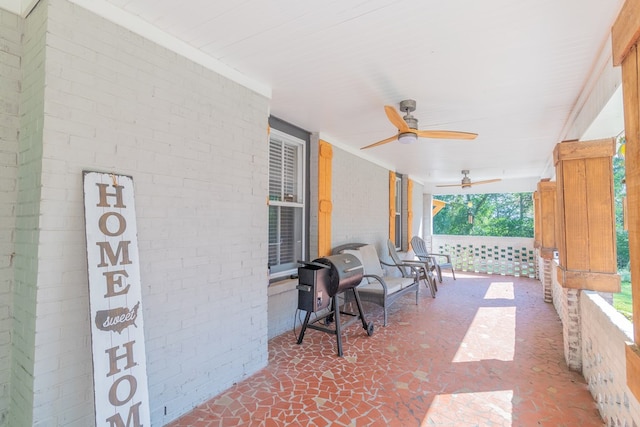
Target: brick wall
<point>26,261</point>
<point>418,210</point>
<point>604,333</point>
<point>594,335</point>
<point>360,201</point>
<point>545,272</point>
<point>10,56</point>
<point>194,143</point>
<point>567,305</point>
<point>314,144</point>
<point>283,305</point>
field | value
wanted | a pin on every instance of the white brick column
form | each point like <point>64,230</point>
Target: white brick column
<point>546,269</point>
<point>427,215</point>
<point>571,330</point>
<point>567,305</point>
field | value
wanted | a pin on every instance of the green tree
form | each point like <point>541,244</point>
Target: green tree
<point>622,236</point>
<point>509,214</point>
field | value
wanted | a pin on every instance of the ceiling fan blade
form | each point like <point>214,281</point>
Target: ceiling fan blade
<point>486,181</point>
<point>396,119</point>
<point>448,185</point>
<point>384,141</point>
<point>446,134</point>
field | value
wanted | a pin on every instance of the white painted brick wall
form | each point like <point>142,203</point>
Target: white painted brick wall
<point>571,329</point>
<point>604,333</point>
<point>360,192</point>
<point>545,272</point>
<point>418,210</point>
<point>283,305</point>
<point>594,335</point>
<point>195,144</point>
<point>567,305</point>
<point>10,55</point>
<point>313,196</point>
<point>27,218</point>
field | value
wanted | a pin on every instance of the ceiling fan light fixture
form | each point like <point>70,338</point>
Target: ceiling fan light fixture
<point>407,138</point>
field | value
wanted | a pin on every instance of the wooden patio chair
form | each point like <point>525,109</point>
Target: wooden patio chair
<point>424,270</point>
<point>439,260</point>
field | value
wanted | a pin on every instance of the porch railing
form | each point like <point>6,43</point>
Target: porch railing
<point>507,256</point>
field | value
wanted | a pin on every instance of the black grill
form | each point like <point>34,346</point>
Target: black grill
<point>345,271</point>
<point>320,283</point>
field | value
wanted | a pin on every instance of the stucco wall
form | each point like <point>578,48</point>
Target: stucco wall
<point>194,143</point>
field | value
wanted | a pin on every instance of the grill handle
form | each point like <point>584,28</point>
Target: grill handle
<point>357,267</point>
<point>317,264</point>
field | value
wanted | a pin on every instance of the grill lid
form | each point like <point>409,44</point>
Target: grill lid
<point>345,272</point>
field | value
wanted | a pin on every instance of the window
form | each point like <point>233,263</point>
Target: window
<point>286,203</point>
<point>398,220</point>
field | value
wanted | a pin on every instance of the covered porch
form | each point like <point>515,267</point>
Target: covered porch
<point>130,94</point>
<point>486,351</point>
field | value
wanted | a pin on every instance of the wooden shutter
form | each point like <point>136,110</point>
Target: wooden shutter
<point>325,207</point>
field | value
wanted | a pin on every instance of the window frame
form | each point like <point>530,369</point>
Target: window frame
<point>300,202</point>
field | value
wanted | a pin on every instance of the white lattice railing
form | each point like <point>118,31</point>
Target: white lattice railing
<point>507,256</point>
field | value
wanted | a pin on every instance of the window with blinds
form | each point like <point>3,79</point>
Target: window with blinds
<point>286,203</point>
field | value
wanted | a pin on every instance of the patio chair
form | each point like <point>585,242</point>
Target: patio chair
<point>424,270</point>
<point>376,287</point>
<point>439,260</point>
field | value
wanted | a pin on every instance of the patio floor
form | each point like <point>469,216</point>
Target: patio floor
<point>487,351</point>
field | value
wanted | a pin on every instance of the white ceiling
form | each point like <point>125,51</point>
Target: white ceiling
<point>516,72</point>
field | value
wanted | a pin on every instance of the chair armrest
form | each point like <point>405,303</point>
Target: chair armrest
<point>447,256</point>
<point>411,267</point>
<point>417,265</point>
<point>377,279</point>
<point>429,260</point>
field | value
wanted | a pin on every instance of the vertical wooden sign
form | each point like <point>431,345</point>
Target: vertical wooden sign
<point>115,297</point>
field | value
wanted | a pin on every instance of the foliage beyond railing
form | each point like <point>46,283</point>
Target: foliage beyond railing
<point>507,256</point>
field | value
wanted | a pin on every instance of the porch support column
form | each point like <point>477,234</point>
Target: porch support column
<point>427,220</point>
<point>546,277</point>
<point>545,233</point>
<point>584,231</point>
<point>571,327</point>
<point>624,35</point>
<point>427,215</point>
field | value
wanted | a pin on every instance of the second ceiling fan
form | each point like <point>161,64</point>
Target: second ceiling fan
<point>467,183</point>
<point>408,127</point>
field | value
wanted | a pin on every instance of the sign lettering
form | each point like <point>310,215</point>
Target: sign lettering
<point>115,295</point>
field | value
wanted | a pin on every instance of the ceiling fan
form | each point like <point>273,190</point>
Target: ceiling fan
<point>408,127</point>
<point>467,183</point>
